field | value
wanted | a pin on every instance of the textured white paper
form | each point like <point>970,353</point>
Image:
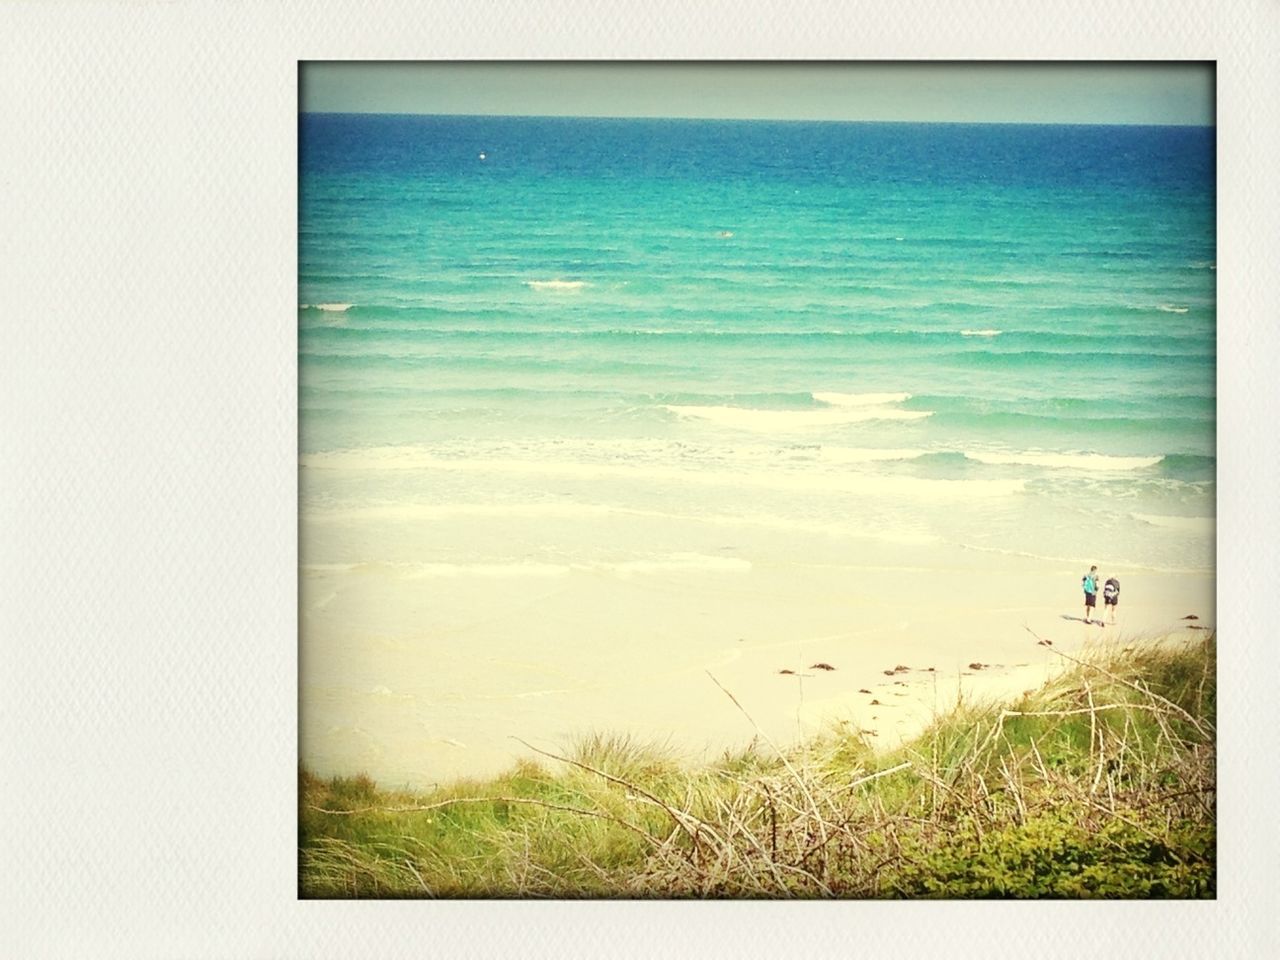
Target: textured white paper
<point>148,374</point>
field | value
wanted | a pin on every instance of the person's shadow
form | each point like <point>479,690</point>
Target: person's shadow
<point>1100,623</point>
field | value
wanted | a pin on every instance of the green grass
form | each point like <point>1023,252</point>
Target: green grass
<point>1101,784</point>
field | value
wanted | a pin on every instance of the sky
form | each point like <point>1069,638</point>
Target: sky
<point>961,92</point>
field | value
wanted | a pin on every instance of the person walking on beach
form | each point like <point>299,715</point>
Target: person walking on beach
<point>1090,583</point>
<point>1111,596</point>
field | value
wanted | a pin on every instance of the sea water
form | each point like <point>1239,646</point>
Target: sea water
<point>536,346</point>
<point>1000,336</point>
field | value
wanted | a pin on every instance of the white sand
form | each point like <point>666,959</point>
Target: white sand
<point>421,677</point>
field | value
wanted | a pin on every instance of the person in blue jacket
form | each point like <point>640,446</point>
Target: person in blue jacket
<point>1090,583</point>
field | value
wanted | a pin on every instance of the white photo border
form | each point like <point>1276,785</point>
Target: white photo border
<point>148,387</point>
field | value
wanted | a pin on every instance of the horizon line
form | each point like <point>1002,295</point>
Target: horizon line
<point>578,116</point>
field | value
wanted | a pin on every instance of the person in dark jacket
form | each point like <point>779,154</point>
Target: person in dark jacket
<point>1111,596</point>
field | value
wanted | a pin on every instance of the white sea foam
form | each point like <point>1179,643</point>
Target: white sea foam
<point>860,399</point>
<point>445,511</point>
<point>773,421</point>
<point>556,284</point>
<point>981,333</point>
<point>1068,461</point>
<point>517,512</point>
<point>334,307</point>
<point>1114,563</point>
<point>866,455</point>
<point>318,569</point>
<point>1172,308</point>
<point>729,476</point>
<point>1199,525</point>
<point>672,563</point>
<point>830,527</point>
<point>368,458</point>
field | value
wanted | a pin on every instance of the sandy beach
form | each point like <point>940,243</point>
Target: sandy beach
<point>484,656</point>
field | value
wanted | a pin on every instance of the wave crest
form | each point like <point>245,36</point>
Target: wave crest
<point>1069,461</point>
<point>555,284</point>
<point>772,421</point>
<point>859,399</point>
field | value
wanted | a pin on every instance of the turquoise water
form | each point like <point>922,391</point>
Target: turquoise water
<point>536,343</point>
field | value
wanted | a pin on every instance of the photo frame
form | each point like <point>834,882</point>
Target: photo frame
<point>149,491</point>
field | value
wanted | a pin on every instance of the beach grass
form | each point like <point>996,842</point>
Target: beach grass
<point>1101,784</point>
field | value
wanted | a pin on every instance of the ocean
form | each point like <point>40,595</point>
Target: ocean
<point>535,351</point>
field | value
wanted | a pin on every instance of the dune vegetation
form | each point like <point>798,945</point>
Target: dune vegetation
<point>1099,785</point>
